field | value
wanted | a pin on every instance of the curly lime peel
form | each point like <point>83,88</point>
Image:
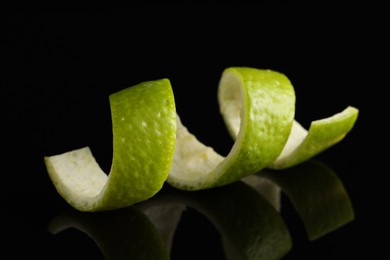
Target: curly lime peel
<point>134,177</point>
<point>152,146</point>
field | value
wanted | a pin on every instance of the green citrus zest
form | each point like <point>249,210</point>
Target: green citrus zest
<point>143,146</point>
<point>258,106</point>
<point>324,133</point>
<point>151,145</point>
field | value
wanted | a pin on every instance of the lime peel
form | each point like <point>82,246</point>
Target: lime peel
<point>262,103</point>
<point>139,167</point>
<point>323,133</point>
<point>151,145</point>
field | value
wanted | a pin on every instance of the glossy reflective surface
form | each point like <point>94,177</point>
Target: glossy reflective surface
<point>244,220</point>
<point>61,67</point>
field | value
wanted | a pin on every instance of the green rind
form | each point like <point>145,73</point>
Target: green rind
<point>259,117</point>
<point>143,146</point>
<point>266,103</point>
<point>267,116</point>
<point>318,195</point>
<point>322,135</point>
<point>141,163</point>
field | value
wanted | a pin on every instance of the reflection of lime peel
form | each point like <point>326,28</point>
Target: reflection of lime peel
<point>258,109</point>
<point>165,218</point>
<point>250,227</point>
<point>121,234</point>
<point>268,189</point>
<point>318,195</point>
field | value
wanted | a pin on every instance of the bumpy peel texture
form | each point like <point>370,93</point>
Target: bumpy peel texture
<point>152,146</point>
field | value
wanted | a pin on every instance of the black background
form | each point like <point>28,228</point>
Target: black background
<point>59,68</point>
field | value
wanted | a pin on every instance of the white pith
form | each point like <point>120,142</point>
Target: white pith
<point>77,175</point>
<point>194,163</point>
